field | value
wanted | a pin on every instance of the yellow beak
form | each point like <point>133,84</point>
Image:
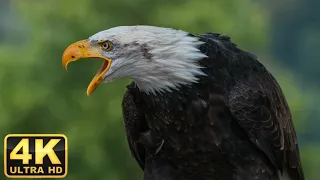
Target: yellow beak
<point>81,49</point>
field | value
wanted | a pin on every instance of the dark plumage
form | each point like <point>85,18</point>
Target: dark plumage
<point>234,124</point>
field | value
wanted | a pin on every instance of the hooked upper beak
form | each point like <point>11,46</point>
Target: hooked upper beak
<point>82,49</point>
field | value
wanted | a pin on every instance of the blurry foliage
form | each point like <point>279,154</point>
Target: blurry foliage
<point>296,35</point>
<point>37,96</point>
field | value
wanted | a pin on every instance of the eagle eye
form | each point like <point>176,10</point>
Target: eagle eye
<point>106,45</point>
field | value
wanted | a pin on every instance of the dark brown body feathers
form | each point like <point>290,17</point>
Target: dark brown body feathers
<point>234,124</point>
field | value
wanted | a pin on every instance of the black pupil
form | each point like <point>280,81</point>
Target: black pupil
<point>105,45</point>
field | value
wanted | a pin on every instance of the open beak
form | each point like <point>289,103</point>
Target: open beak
<point>81,49</point>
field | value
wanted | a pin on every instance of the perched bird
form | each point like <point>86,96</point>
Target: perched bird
<point>199,108</point>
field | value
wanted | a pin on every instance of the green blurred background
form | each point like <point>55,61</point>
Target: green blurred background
<point>37,96</point>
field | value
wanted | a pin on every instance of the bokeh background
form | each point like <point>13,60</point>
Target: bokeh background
<point>37,96</point>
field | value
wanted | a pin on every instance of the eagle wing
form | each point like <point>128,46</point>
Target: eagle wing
<point>134,126</point>
<point>259,106</point>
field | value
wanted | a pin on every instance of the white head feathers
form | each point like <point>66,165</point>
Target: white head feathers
<point>158,59</point>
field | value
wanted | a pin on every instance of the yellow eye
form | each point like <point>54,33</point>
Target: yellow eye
<point>106,46</point>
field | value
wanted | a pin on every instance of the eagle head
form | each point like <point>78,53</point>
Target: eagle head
<point>157,59</point>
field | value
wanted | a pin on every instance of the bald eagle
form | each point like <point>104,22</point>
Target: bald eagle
<point>199,108</point>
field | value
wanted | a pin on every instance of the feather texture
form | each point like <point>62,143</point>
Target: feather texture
<point>233,124</point>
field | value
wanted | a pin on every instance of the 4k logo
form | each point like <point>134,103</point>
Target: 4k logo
<point>35,156</point>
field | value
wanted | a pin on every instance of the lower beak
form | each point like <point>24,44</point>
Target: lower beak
<point>81,49</point>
